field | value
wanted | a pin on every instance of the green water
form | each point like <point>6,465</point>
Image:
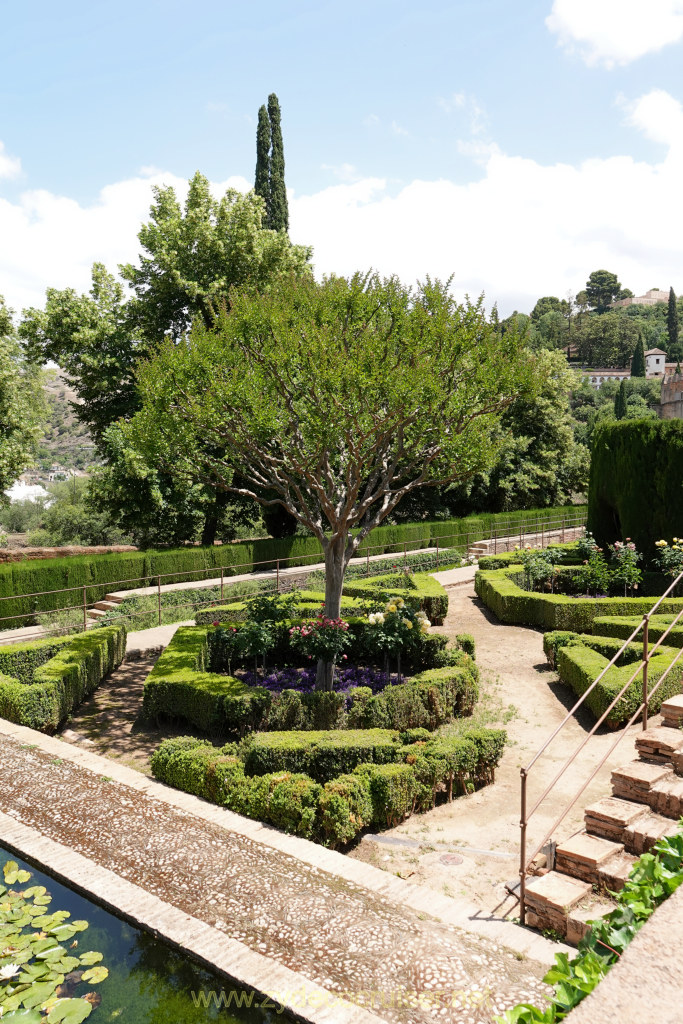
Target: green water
<point>149,982</point>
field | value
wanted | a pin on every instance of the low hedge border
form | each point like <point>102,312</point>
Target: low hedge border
<point>180,686</point>
<point>42,682</point>
<point>394,780</point>
<point>420,588</point>
<point>570,556</point>
<point>500,593</point>
<point>610,625</point>
<point>309,603</point>
<point>579,660</point>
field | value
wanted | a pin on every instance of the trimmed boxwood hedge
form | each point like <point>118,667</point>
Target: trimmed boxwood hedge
<point>181,686</point>
<point>579,660</point>
<point>609,625</point>
<point>570,556</point>
<point>131,569</point>
<point>420,588</point>
<point>309,602</point>
<point>501,593</point>
<point>42,682</point>
<point>395,780</point>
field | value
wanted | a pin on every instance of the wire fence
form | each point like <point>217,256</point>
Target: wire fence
<point>172,597</point>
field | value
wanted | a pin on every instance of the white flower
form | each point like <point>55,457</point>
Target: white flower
<point>9,971</point>
<point>376,618</point>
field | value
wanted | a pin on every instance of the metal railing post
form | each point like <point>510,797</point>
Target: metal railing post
<point>85,610</point>
<point>405,558</point>
<point>646,658</point>
<point>277,576</point>
<point>222,582</point>
<point>522,848</point>
<point>437,552</point>
<point>159,598</point>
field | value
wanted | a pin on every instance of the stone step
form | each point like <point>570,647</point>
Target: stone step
<point>96,613</point>
<point>634,780</point>
<point>666,796</point>
<point>104,606</point>
<point>114,598</point>
<point>583,855</point>
<point>613,873</point>
<point>551,897</point>
<point>659,744</point>
<point>589,909</point>
<point>644,832</point>
<point>672,712</point>
<point>610,817</point>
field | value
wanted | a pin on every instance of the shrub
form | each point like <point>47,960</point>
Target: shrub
<point>428,700</point>
<point>44,681</point>
<point>393,788</point>
<point>609,625</point>
<point>346,808</point>
<point>580,662</point>
<point>465,642</point>
<point>322,755</point>
<point>419,589</point>
<point>500,591</point>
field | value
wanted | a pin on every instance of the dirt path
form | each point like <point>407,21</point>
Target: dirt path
<point>520,692</point>
<point>107,723</point>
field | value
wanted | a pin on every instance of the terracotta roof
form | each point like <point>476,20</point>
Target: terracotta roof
<point>655,352</point>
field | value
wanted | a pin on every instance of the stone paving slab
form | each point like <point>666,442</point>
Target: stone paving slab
<point>337,930</point>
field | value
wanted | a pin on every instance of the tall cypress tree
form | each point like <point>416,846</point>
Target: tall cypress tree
<point>262,180</point>
<point>279,211</point>
<point>620,401</point>
<point>672,320</point>
<point>638,361</point>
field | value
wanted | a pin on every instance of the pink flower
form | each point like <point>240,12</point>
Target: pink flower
<point>216,623</point>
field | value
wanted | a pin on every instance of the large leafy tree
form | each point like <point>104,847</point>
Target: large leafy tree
<point>602,289</point>
<point>340,399</point>
<point>192,255</point>
<point>606,340</point>
<point>21,404</point>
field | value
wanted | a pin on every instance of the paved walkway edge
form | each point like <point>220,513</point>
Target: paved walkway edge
<point>276,986</point>
<point>458,913</point>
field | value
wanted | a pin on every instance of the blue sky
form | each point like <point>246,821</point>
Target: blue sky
<point>517,146</point>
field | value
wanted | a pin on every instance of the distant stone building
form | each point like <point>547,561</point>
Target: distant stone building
<point>671,402</point>
<point>650,298</point>
<point>598,377</point>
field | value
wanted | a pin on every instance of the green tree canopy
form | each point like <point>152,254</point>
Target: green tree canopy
<point>550,304</point>
<point>21,404</point>
<point>602,289</point>
<point>342,398</point>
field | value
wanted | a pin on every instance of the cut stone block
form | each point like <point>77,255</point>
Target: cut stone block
<point>613,873</point>
<point>666,796</point>
<point>583,854</point>
<point>578,918</point>
<point>633,780</point>
<point>659,743</point>
<point>672,712</point>
<point>645,831</point>
<point>610,817</point>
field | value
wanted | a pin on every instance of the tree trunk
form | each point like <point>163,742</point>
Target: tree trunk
<point>212,518</point>
<point>335,567</point>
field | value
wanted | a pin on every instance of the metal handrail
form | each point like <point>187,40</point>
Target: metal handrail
<point>642,667</point>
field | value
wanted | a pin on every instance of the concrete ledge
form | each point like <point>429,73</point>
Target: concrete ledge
<point>644,987</point>
<point>453,912</point>
<point>279,985</point>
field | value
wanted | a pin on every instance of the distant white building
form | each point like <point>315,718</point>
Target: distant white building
<point>20,490</point>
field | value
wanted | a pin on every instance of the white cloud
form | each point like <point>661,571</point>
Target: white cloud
<point>611,32</point>
<point>345,172</point>
<point>521,230</point>
<point>10,166</point>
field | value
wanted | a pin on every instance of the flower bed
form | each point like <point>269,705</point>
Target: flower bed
<point>357,779</point>
<point>184,684</point>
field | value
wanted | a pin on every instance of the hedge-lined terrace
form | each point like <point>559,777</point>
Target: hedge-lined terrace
<point>51,580</point>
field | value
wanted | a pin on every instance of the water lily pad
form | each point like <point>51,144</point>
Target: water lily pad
<point>70,1011</point>
<point>23,1017</point>
<point>95,975</point>
<point>38,993</point>
<point>90,958</point>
